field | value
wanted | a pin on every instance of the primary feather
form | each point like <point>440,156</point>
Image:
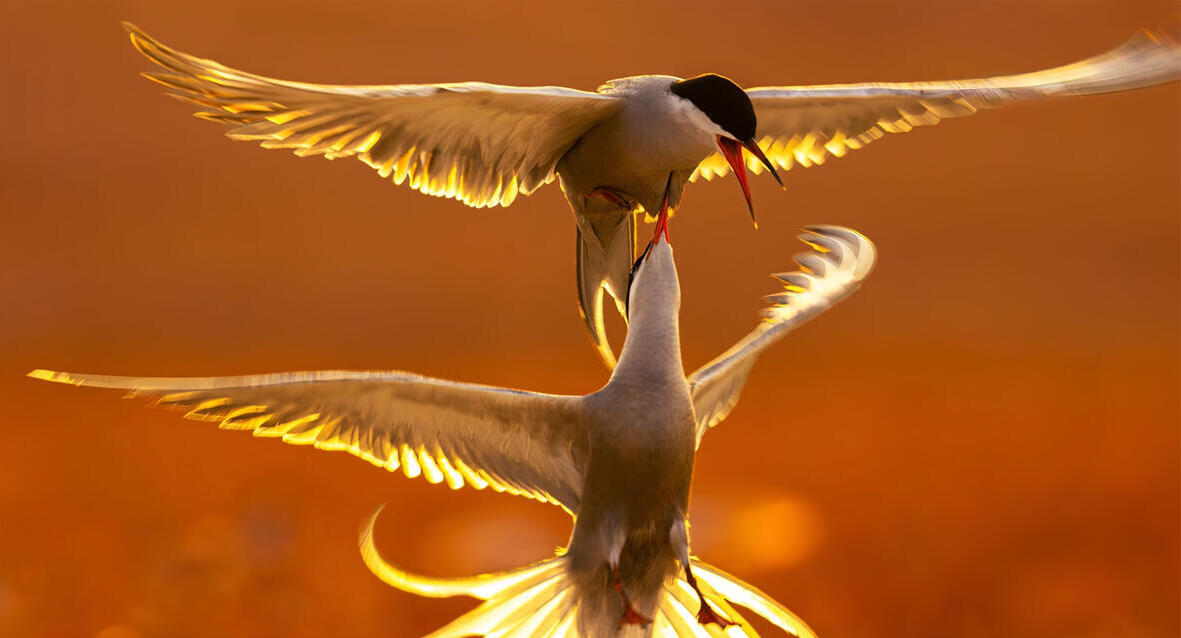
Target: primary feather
<point>806,125</point>
<point>476,142</point>
<point>839,261</point>
<point>523,443</point>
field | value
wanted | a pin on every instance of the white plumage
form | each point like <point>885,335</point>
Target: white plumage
<point>619,459</point>
<point>484,144</point>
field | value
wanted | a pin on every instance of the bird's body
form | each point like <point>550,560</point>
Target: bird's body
<point>641,164</point>
<point>642,438</point>
<point>617,150</point>
<point>633,149</point>
<point>619,459</point>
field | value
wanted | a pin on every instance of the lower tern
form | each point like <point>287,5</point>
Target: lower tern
<point>619,460</point>
<point>613,149</point>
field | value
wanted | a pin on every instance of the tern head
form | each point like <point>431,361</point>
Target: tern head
<point>728,107</point>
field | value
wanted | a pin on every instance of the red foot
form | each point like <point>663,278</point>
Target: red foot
<point>633,617</point>
<point>707,615</point>
<point>630,615</point>
<point>611,196</point>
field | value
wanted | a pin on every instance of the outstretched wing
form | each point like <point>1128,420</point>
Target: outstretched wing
<point>476,142</point>
<point>839,261</point>
<point>512,441</point>
<point>806,125</point>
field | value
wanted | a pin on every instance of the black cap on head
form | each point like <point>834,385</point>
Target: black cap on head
<point>722,101</point>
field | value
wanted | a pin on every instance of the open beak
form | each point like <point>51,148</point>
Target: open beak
<point>661,229</point>
<point>732,151</point>
<point>662,218</point>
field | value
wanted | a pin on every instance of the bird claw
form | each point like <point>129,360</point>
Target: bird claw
<point>632,617</point>
<point>707,615</point>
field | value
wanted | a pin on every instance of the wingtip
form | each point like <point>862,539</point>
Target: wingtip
<point>864,251</point>
<point>366,536</point>
<point>47,375</point>
<point>1166,36</point>
<point>1168,33</point>
<point>841,232</point>
<point>139,39</point>
<point>142,42</point>
<point>132,30</point>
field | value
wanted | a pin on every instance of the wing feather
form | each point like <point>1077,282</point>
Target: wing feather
<point>839,261</point>
<point>806,125</point>
<point>511,441</point>
<point>477,142</point>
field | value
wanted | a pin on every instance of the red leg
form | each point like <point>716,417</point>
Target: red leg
<point>611,196</point>
<point>630,615</point>
<point>706,614</point>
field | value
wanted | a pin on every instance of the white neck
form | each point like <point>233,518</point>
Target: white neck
<point>653,344</point>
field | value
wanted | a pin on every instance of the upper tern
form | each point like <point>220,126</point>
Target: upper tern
<point>612,150</point>
<point>619,460</point>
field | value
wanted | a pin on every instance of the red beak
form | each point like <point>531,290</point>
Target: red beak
<point>732,151</point>
<point>754,149</point>
<point>662,218</point>
<point>661,226</point>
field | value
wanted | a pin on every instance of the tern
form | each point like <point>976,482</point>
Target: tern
<point>613,149</point>
<point>619,459</point>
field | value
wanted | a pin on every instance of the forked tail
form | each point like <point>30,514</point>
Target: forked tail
<point>603,260</point>
<point>540,600</point>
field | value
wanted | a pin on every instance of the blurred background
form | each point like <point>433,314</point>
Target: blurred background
<point>982,442</point>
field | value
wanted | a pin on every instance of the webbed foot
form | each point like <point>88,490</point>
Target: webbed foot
<point>707,614</point>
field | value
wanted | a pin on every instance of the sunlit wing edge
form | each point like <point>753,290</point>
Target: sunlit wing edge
<point>211,399</point>
<point>839,261</point>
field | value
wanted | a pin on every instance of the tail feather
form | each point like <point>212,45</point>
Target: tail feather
<point>483,586</point>
<point>541,601</point>
<point>679,619</point>
<point>682,601</point>
<point>547,617</point>
<point>519,603</point>
<point>506,612</point>
<point>604,256</point>
<point>722,588</point>
<point>566,626</point>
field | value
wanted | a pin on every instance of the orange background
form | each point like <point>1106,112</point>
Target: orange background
<point>982,442</point>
